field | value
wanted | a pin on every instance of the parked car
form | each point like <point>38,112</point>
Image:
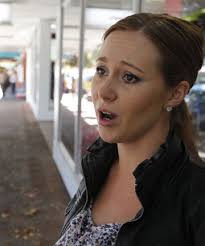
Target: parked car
<point>196,103</point>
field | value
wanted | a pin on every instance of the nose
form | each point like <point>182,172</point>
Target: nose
<point>107,91</point>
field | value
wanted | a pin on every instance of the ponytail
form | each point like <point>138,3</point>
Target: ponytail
<point>181,121</point>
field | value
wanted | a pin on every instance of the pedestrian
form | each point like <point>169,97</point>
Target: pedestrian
<point>4,81</point>
<point>13,80</point>
<point>1,82</point>
<point>143,181</point>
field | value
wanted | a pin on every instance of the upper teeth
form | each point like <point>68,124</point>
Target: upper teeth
<point>106,113</point>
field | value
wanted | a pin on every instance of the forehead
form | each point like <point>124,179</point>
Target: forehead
<point>131,46</point>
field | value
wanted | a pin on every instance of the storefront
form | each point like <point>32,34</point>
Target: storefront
<point>80,28</point>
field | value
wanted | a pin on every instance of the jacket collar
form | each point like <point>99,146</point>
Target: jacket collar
<point>97,163</point>
<point>151,175</point>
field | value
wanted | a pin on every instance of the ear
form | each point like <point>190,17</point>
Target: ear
<point>178,93</point>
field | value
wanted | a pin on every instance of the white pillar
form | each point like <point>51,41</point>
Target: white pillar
<point>43,111</point>
<point>28,75</point>
<point>137,6</point>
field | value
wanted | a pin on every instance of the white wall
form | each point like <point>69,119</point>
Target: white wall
<point>39,73</point>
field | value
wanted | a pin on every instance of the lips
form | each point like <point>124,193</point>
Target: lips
<point>106,117</point>
<point>108,113</point>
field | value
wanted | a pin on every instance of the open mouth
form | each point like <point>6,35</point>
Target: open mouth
<point>107,115</point>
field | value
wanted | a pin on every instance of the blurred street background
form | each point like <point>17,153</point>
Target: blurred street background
<point>48,50</point>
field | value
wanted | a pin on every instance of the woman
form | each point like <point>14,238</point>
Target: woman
<point>144,183</point>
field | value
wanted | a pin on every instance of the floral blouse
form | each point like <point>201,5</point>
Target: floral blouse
<point>83,232</point>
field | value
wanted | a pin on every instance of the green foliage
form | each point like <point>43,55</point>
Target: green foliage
<point>90,57</point>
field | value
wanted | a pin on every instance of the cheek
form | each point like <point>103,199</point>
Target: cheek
<point>145,106</point>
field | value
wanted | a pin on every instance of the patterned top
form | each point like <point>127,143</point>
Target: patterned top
<point>83,232</point>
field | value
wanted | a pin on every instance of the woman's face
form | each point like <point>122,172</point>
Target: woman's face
<point>128,90</point>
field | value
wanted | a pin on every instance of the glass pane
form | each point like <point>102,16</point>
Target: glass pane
<point>89,122</point>
<point>70,76</point>
<point>94,31</point>
<point>153,6</point>
<point>108,4</point>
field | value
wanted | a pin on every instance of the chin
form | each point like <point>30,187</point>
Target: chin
<point>108,137</point>
<point>116,137</point>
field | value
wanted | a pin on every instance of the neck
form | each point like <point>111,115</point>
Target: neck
<point>131,154</point>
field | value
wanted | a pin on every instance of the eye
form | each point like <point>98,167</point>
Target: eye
<point>131,78</point>
<point>100,71</point>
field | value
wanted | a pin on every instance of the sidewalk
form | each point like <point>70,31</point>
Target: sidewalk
<point>32,195</point>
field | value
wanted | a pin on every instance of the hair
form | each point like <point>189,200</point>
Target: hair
<point>180,44</point>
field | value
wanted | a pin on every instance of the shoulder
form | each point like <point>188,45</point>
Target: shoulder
<point>190,183</point>
<point>75,203</point>
<point>196,200</point>
<point>194,179</point>
<point>76,198</point>
<point>194,183</point>
<point>197,176</point>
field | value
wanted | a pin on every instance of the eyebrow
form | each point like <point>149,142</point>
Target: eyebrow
<point>104,59</point>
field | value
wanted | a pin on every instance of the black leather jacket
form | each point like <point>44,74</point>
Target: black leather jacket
<point>170,186</point>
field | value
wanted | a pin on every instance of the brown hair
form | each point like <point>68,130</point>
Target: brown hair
<point>180,44</point>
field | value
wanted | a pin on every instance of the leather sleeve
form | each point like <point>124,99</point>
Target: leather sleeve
<point>197,207</point>
<point>74,205</point>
